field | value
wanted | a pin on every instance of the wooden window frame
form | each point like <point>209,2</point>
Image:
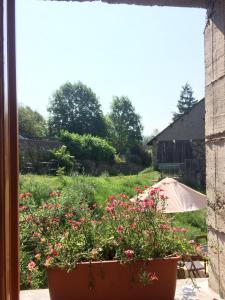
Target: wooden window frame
<point>9,262</point>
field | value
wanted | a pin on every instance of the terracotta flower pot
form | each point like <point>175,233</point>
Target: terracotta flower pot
<point>112,280</point>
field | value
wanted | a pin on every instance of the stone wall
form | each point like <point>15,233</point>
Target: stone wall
<point>195,169</point>
<point>215,142</point>
<point>35,155</point>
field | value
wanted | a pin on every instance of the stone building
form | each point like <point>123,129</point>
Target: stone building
<point>180,147</point>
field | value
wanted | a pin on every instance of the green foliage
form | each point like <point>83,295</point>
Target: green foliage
<point>87,147</point>
<point>61,233</point>
<point>125,125</point>
<point>37,185</point>
<point>75,108</point>
<point>31,123</point>
<point>139,155</point>
<point>64,159</point>
<point>195,221</point>
<point>79,191</point>
<point>186,101</point>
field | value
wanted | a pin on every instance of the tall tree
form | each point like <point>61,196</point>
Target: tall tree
<point>126,123</point>
<point>75,108</point>
<point>185,102</point>
<point>31,123</point>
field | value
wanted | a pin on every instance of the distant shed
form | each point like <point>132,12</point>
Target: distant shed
<point>183,143</point>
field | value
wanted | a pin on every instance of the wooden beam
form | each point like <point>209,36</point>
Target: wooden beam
<point>9,263</point>
<point>175,3</point>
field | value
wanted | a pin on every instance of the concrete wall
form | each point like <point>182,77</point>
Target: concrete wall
<point>215,141</point>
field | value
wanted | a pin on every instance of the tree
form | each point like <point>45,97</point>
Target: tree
<point>126,123</point>
<point>186,101</point>
<point>31,123</point>
<point>146,139</point>
<point>75,108</point>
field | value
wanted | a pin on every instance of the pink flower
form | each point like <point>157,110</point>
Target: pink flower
<point>129,253</point>
<point>133,226</point>
<point>123,196</point>
<point>152,277</point>
<point>68,215</point>
<point>184,230</point>
<point>23,207</point>
<point>25,195</point>
<point>154,191</point>
<point>54,252</point>
<point>36,234</point>
<point>138,190</point>
<point>48,261</point>
<point>52,194</point>
<point>21,196</point>
<point>177,229</point>
<point>29,218</point>
<point>123,204</point>
<point>120,229</point>
<point>164,226</point>
<point>55,194</point>
<point>59,245</point>
<point>55,220</point>
<point>110,209</point>
<point>47,205</point>
<point>111,197</point>
<point>28,195</point>
<point>37,256</point>
<point>31,265</point>
<point>146,203</point>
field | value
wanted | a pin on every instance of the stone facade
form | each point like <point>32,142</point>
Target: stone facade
<point>215,141</point>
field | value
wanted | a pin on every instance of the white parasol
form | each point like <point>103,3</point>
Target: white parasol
<point>181,198</point>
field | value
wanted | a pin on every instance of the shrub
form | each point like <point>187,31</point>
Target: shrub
<point>87,147</point>
<point>64,159</point>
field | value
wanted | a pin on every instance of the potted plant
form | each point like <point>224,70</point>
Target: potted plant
<point>124,250</point>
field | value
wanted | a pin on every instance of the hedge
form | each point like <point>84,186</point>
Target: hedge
<point>88,147</point>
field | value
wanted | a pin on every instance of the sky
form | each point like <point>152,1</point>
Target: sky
<point>145,53</point>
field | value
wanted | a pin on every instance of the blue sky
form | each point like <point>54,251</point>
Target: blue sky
<point>145,53</point>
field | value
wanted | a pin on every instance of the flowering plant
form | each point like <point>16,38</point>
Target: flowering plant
<point>58,234</point>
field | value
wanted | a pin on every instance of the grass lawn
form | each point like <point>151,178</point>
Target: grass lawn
<point>95,188</point>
